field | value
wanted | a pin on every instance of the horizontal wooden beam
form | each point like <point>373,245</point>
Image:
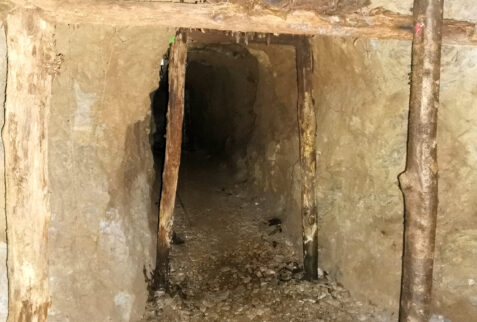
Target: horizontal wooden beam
<point>376,24</point>
<point>210,36</point>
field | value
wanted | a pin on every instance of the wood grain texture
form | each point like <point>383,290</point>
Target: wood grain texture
<point>419,181</point>
<point>30,69</point>
<point>307,142</point>
<point>375,24</point>
<point>175,116</point>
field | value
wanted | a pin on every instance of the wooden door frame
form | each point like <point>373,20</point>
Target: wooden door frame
<point>306,129</point>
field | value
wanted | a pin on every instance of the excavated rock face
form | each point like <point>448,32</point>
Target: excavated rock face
<point>459,10</point>
<point>103,223</point>
<point>361,91</point>
<point>362,99</point>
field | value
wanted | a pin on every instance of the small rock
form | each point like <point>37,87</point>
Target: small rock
<point>321,274</point>
<point>438,318</point>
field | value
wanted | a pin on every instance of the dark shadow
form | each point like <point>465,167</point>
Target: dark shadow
<point>157,139</point>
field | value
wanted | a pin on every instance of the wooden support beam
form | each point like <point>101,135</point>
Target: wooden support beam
<point>307,135</point>
<point>31,58</point>
<point>224,37</point>
<point>419,181</point>
<point>175,116</point>
<point>376,24</point>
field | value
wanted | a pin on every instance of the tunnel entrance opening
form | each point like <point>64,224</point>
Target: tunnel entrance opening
<point>220,141</point>
<point>235,243</point>
<point>220,94</point>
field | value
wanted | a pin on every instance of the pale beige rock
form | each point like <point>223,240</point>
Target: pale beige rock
<point>453,9</point>
<point>455,296</point>
<point>104,219</point>
<point>362,96</point>
<point>362,93</point>
<point>272,152</point>
<point>362,101</point>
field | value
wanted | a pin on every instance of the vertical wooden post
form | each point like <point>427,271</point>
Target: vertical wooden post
<point>175,116</point>
<point>419,181</point>
<point>31,55</point>
<point>307,135</point>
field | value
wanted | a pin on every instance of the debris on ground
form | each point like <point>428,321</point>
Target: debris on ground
<point>233,268</point>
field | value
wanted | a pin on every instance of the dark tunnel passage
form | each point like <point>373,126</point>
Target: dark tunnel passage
<point>236,240</point>
<point>236,252</point>
<point>221,89</point>
<point>239,111</point>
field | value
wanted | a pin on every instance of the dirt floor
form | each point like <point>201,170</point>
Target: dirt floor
<point>232,262</point>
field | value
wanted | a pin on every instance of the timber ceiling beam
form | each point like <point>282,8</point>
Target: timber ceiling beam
<point>376,24</point>
<point>211,36</point>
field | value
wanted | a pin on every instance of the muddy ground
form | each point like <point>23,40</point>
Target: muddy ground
<point>235,263</point>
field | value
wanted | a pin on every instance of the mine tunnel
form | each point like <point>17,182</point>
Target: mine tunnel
<point>273,161</point>
<point>231,234</point>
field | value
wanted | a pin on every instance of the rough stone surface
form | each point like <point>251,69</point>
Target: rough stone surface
<point>3,237</point>
<point>453,9</point>
<point>103,223</point>
<point>455,274</point>
<point>241,270</point>
<point>272,155</point>
<point>362,101</point>
<point>361,91</point>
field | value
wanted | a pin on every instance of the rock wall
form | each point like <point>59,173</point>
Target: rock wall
<point>3,235</point>
<point>361,95</point>
<point>103,223</point>
<point>361,91</point>
<point>272,157</point>
<point>455,274</point>
<point>459,10</point>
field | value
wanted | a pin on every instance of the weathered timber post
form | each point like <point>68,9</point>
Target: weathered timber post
<point>175,116</point>
<point>307,135</point>
<point>419,181</point>
<point>31,57</point>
